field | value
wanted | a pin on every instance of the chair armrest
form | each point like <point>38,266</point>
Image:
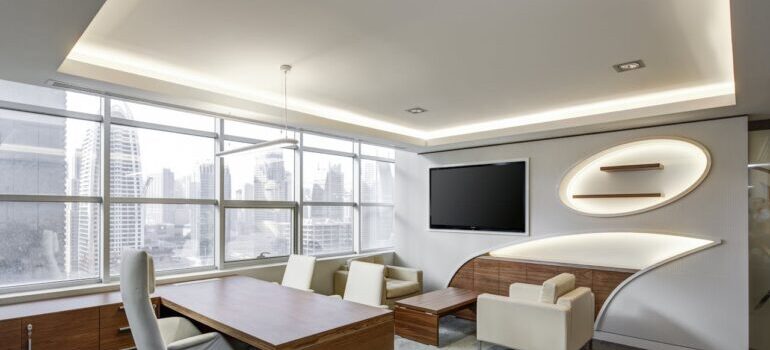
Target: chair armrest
<point>211,340</point>
<point>521,324</point>
<point>523,291</point>
<point>581,303</point>
<point>403,273</point>
<point>340,280</point>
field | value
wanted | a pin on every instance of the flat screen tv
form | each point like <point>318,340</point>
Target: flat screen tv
<point>485,197</point>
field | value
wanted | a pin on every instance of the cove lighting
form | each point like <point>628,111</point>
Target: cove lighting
<point>626,250</point>
<point>141,65</point>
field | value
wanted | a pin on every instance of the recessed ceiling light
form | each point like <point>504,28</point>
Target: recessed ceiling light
<point>627,66</point>
<point>416,110</point>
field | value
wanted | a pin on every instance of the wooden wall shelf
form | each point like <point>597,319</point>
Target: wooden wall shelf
<point>632,167</point>
<point>619,195</point>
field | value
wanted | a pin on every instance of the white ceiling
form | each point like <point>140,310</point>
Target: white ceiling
<point>36,36</point>
<point>482,68</point>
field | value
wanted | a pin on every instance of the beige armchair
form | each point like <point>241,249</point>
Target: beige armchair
<point>400,282</point>
<point>554,316</point>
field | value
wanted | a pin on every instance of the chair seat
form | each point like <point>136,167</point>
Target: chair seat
<point>176,328</point>
<point>398,288</point>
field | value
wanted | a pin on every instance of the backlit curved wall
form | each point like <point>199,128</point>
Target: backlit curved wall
<point>635,177</point>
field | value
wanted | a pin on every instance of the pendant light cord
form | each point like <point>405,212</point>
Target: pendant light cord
<point>285,101</point>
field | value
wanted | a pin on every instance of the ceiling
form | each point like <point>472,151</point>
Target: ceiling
<point>487,71</point>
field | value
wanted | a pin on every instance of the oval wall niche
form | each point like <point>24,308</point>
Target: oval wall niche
<point>635,177</point>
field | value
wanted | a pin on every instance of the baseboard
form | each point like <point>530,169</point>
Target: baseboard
<point>637,342</point>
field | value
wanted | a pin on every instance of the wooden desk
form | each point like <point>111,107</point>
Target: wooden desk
<point>417,318</point>
<point>270,316</point>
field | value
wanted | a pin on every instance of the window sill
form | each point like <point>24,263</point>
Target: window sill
<point>113,286</point>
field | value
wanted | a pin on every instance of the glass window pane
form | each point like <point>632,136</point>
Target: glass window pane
<point>47,242</point>
<point>378,151</point>
<point>377,181</point>
<point>266,175</point>
<point>376,227</point>
<point>327,229</point>
<point>50,97</point>
<point>157,164</point>
<point>327,178</point>
<point>257,233</point>
<point>330,143</point>
<point>161,115</point>
<point>177,236</point>
<point>48,155</point>
<point>254,131</point>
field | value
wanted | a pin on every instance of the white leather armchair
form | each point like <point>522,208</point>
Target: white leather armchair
<point>299,272</point>
<point>137,281</point>
<point>554,316</point>
<point>400,282</point>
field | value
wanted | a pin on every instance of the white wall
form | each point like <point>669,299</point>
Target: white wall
<point>698,302</point>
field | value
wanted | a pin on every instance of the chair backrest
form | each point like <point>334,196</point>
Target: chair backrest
<point>366,283</point>
<point>557,286</point>
<point>299,272</point>
<point>135,287</point>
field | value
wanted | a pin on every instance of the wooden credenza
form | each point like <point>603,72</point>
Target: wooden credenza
<point>91,322</point>
<point>487,274</point>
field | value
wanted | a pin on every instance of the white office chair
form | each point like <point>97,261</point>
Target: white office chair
<point>299,272</point>
<point>366,284</point>
<point>137,281</point>
<point>554,316</point>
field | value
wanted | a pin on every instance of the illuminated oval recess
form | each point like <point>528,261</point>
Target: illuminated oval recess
<point>683,166</point>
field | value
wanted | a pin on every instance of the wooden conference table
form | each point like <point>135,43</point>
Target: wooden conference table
<point>270,316</point>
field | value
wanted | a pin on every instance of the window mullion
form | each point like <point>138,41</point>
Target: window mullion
<point>105,187</point>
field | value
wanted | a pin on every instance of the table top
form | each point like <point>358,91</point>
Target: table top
<point>265,314</point>
<point>441,301</point>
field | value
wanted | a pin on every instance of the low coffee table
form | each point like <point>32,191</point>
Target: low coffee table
<point>417,317</point>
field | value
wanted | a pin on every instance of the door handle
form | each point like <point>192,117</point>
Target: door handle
<point>29,336</point>
<point>124,329</point>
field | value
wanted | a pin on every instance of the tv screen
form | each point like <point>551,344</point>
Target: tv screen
<point>487,197</point>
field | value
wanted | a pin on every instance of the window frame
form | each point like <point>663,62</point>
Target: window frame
<point>104,199</point>
<point>392,204</point>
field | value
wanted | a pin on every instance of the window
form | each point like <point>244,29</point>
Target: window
<point>257,233</point>
<point>264,175</point>
<point>327,230</point>
<point>162,186</point>
<point>158,164</point>
<point>49,187</point>
<point>178,236</point>
<point>260,209</point>
<point>326,196</point>
<point>377,187</point>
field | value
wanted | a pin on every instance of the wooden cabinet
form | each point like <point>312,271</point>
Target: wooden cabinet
<point>77,329</point>
<point>486,276</point>
<point>10,335</point>
<point>114,333</point>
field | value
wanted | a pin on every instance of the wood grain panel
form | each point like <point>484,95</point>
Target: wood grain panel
<point>604,282</point>
<point>77,329</point>
<point>486,276</point>
<point>417,325</point>
<point>511,272</point>
<point>464,276</point>
<point>10,335</point>
<point>377,334</point>
<point>537,273</point>
<point>441,302</point>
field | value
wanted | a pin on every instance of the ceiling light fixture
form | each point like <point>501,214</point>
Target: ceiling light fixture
<point>627,66</point>
<point>285,141</point>
<point>416,110</point>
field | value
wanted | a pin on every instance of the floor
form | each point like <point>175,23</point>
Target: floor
<point>459,334</point>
